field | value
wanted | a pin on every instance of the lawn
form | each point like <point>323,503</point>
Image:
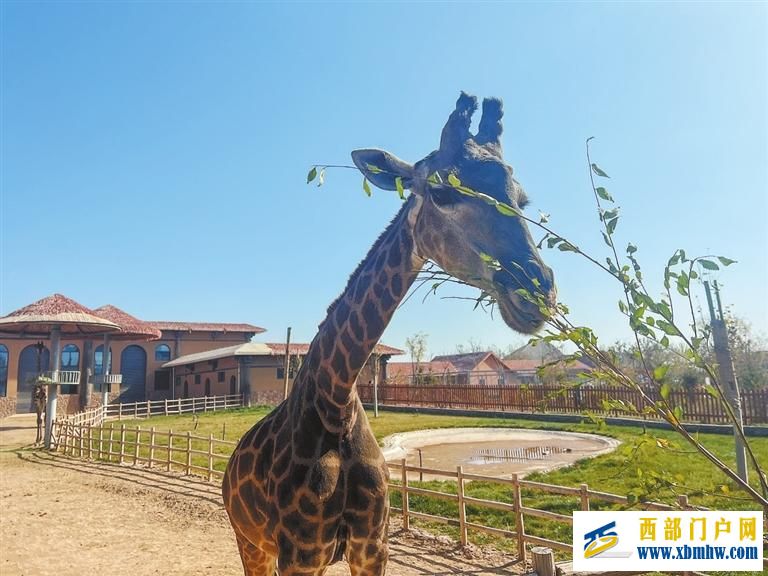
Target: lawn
<point>650,464</point>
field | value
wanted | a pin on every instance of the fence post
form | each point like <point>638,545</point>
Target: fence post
<point>584,496</point>
<point>682,501</point>
<point>120,411</point>
<point>188,471</point>
<point>100,453</point>
<point>462,507</point>
<point>122,443</point>
<point>170,451</point>
<point>166,406</point>
<point>404,490</point>
<point>111,436</point>
<point>149,409</point>
<point>543,561</point>
<point>519,520</point>
<point>151,446</point>
<point>210,457</point>
<point>80,449</point>
<point>90,441</point>
<point>136,446</point>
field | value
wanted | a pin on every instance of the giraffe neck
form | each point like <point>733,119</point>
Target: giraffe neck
<point>358,318</point>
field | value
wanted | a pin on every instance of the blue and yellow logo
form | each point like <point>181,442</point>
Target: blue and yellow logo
<point>600,540</point>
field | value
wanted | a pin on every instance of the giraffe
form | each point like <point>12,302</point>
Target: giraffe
<point>307,485</point>
<point>39,398</point>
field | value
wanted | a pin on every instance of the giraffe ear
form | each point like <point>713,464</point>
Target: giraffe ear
<point>382,168</point>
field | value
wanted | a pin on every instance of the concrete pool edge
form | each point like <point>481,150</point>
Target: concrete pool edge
<point>396,446</point>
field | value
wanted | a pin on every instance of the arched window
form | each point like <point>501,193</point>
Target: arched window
<point>70,361</point>
<point>133,367</point>
<point>3,370</point>
<point>98,360</point>
<point>162,353</point>
<point>30,363</point>
<point>207,386</point>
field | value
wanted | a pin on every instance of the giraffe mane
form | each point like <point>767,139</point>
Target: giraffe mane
<point>374,248</point>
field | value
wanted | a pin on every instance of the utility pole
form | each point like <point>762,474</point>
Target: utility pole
<point>286,364</point>
<point>727,375</point>
<point>375,359</point>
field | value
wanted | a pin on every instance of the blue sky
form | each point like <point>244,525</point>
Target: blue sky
<point>154,155</point>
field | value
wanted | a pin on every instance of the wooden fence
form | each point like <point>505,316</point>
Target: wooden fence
<point>171,451</point>
<point>207,456</point>
<point>517,509</point>
<point>697,405</point>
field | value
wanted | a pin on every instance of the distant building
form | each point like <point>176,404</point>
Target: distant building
<point>487,369</point>
<point>255,369</point>
<point>140,363</point>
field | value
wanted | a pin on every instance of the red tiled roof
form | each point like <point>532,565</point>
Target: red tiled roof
<point>464,362</point>
<point>300,349</point>
<point>131,327</point>
<point>205,326</point>
<point>405,369</point>
<point>55,310</point>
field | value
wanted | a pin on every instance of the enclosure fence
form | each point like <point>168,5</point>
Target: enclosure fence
<point>696,405</point>
<point>138,410</point>
<point>207,456</point>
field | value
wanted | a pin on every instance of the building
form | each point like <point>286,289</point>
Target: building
<point>189,359</point>
<point>254,369</point>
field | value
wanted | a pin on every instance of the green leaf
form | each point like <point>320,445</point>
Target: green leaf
<point>678,412</point>
<point>631,248</point>
<point>664,341</point>
<point>596,170</point>
<point>612,225</point>
<point>603,193</point>
<point>551,242</point>
<point>453,180</point>
<point>567,247</point>
<point>366,187</point>
<point>434,178</point>
<point>605,238</point>
<point>400,189</point>
<point>726,261</point>
<point>658,374</point>
<point>506,209</point>
<point>374,169</point>
<point>667,328</point>
<point>312,174</point>
<point>708,265</point>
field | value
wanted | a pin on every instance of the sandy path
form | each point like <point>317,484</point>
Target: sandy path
<point>67,517</point>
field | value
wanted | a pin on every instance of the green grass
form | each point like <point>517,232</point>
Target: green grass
<point>639,467</point>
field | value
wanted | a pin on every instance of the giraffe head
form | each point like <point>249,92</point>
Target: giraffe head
<point>462,233</point>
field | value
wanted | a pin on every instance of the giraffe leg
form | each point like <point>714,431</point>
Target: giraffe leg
<point>368,558</point>
<point>256,562</point>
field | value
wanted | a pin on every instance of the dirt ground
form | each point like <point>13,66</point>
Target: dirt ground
<point>67,517</point>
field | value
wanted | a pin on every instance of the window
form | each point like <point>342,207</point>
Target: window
<point>207,386</point>
<point>222,377</point>
<point>70,362</point>
<point>3,370</point>
<point>98,364</point>
<point>281,373</point>
<point>162,380</point>
<point>214,364</point>
<point>233,384</point>
<point>177,382</point>
<point>162,353</point>
<point>186,389</point>
<point>197,378</point>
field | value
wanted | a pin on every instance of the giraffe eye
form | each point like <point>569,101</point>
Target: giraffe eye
<point>443,195</point>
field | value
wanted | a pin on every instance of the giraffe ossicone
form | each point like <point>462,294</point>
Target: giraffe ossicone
<point>307,485</point>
